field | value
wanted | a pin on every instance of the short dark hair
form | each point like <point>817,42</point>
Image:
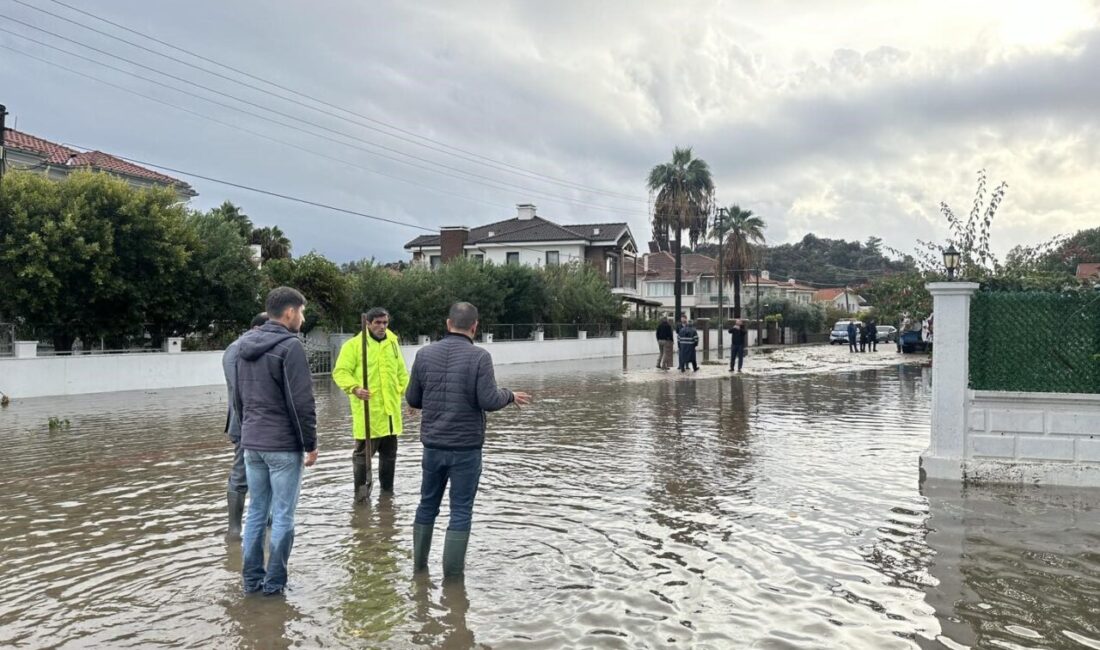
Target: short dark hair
<point>282,298</point>
<point>375,313</point>
<point>259,320</point>
<point>463,315</point>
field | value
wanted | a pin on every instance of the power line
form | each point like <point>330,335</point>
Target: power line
<point>237,128</point>
<point>488,182</point>
<point>214,91</point>
<point>441,146</point>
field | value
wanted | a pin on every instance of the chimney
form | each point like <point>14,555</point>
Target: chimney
<point>645,263</point>
<point>764,275</point>
<point>791,282</point>
<point>452,242</point>
<point>525,211</point>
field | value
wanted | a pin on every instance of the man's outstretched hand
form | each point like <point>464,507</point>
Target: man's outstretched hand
<point>521,399</point>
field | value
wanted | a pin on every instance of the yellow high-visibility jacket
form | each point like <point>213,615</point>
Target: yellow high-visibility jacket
<point>387,379</point>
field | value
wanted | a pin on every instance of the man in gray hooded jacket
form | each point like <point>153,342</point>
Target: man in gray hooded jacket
<point>278,429</point>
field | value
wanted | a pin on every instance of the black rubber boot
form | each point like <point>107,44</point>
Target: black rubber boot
<point>387,466</point>
<point>454,553</point>
<point>361,478</point>
<point>235,507</point>
<point>422,545</point>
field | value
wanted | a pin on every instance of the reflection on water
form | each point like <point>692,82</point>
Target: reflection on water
<point>780,512</point>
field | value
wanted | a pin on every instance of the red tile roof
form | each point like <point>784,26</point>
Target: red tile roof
<point>823,295</point>
<point>1087,271</point>
<point>56,154</point>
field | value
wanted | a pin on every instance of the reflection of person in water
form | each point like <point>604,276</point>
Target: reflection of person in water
<point>263,622</point>
<point>448,630</point>
<point>370,604</point>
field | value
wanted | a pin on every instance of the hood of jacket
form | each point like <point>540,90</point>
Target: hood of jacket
<point>257,343</point>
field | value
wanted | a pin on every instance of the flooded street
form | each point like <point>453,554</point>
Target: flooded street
<point>779,511</point>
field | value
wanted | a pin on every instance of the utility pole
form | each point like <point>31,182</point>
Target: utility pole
<point>719,224</point>
<point>3,132</point>
<point>846,307</point>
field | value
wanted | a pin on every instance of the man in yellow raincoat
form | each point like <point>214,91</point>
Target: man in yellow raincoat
<point>387,379</point>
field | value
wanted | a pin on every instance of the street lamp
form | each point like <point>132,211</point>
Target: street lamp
<point>951,261</point>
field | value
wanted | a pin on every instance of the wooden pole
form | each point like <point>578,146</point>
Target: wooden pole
<point>366,403</point>
<point>625,334</point>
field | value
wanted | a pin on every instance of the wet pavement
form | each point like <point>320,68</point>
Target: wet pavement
<point>770,510</point>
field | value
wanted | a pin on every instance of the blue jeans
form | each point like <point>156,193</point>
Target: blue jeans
<point>238,481</point>
<point>274,478</point>
<point>463,470</point>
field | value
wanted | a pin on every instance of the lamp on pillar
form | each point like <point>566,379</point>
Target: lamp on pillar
<point>951,261</point>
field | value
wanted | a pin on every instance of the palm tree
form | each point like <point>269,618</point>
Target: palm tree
<point>273,243</point>
<point>233,215</point>
<point>685,192</point>
<point>739,234</point>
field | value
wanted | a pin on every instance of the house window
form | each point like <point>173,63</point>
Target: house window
<point>552,258</point>
<point>435,261</point>
<point>659,289</point>
<point>478,257</point>
<point>706,285</point>
<point>689,288</point>
<point>512,258</point>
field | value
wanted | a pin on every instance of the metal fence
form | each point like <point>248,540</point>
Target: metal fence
<point>1035,341</point>
<point>550,331</point>
<point>7,339</point>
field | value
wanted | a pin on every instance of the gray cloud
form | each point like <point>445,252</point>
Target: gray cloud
<point>846,141</point>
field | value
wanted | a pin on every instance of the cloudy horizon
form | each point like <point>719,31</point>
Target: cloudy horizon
<point>837,118</point>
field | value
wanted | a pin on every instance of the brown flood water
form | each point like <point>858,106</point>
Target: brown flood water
<point>765,511</point>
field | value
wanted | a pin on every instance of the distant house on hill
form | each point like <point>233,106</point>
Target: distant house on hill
<point>31,153</point>
<point>1089,272</point>
<point>841,298</point>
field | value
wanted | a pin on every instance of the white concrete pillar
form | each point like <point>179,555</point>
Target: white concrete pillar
<point>173,344</point>
<point>540,335</point>
<point>423,339</point>
<point>582,335</point>
<point>950,379</point>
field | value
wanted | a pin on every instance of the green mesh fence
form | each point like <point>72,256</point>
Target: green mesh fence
<point>1035,341</point>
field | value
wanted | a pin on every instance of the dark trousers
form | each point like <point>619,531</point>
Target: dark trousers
<point>852,344</point>
<point>462,469</point>
<point>238,481</point>
<point>737,355</point>
<point>386,448</point>
<point>687,357</point>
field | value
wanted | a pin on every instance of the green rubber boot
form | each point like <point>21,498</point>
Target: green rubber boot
<point>454,553</point>
<point>422,545</point>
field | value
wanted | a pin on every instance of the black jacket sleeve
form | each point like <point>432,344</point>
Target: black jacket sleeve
<point>414,393</point>
<point>298,392</point>
<point>489,397</point>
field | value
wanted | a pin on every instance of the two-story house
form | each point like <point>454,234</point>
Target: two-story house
<point>27,152</point>
<point>699,290</point>
<point>531,240</point>
<point>841,298</point>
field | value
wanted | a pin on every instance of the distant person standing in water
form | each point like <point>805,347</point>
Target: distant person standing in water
<point>688,341</point>
<point>238,484</point>
<point>852,333</point>
<point>872,336</point>
<point>738,336</point>
<point>664,344</point>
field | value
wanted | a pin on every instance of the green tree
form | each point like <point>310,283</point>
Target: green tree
<point>685,194</point>
<point>91,256</point>
<point>224,289</point>
<point>741,234</point>
<point>971,238</point>
<point>900,296</point>
<point>579,293</point>
<point>273,243</point>
<point>326,288</point>
<point>234,216</point>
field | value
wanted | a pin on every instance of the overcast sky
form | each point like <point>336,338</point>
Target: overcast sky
<point>846,119</point>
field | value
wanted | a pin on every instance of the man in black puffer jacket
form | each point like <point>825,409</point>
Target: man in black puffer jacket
<point>453,382</point>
